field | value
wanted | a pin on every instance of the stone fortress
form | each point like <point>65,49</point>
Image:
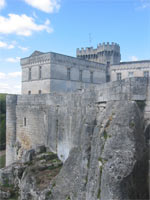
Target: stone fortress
<point>93,111</point>
<point>53,72</point>
<point>34,117</point>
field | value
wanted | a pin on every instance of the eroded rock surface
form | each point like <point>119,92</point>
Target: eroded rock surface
<point>110,161</point>
<point>28,178</point>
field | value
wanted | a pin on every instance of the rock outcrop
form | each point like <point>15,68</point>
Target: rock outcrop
<point>31,177</point>
<point>110,161</point>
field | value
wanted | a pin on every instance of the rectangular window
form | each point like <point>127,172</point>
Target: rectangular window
<point>68,73</point>
<point>80,75</point>
<point>146,73</point>
<point>119,76</point>
<point>91,77</point>
<point>40,91</point>
<point>29,74</point>
<point>40,72</point>
<point>130,74</point>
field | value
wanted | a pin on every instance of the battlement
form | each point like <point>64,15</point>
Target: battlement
<point>100,47</point>
<point>104,53</point>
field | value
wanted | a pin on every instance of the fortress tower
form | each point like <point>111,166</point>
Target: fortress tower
<point>105,53</point>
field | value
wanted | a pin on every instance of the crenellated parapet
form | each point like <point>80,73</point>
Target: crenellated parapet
<point>100,47</point>
<point>105,52</point>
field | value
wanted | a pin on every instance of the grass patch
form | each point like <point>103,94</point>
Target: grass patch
<point>105,134</point>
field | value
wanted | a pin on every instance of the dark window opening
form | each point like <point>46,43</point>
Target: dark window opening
<point>80,75</point>
<point>40,91</point>
<point>29,74</point>
<point>91,77</point>
<point>68,73</point>
<point>40,72</point>
<point>146,74</point>
<point>29,92</point>
<point>24,121</point>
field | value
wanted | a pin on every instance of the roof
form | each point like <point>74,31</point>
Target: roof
<point>132,62</point>
<point>36,53</point>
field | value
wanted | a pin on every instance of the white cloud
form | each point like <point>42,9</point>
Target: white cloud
<point>22,25</point>
<point>2,75</point>
<point>13,60</point>
<point>10,82</point>
<point>134,58</point>
<point>2,4</point>
<point>48,6</point>
<point>13,45</point>
<point>23,48</point>
<point>10,88</point>
<point>6,46</point>
<point>14,74</point>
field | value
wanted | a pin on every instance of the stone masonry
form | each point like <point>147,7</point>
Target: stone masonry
<point>104,53</point>
<point>55,119</point>
<point>52,72</point>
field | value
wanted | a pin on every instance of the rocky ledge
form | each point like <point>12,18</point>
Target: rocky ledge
<point>32,177</point>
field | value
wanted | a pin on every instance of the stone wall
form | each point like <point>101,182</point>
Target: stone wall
<point>57,119</point>
<point>130,69</point>
<point>48,72</point>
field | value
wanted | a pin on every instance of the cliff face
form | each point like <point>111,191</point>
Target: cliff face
<point>101,135</point>
<point>109,161</point>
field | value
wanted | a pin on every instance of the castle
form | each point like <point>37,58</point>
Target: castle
<point>59,91</point>
<point>53,72</point>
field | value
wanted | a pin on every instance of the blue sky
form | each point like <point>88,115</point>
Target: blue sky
<point>63,25</point>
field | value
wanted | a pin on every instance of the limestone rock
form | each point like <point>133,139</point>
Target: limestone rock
<point>109,161</point>
<point>31,178</point>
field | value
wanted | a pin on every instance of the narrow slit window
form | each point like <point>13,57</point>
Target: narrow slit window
<point>68,73</point>
<point>29,74</point>
<point>40,72</point>
<point>91,77</point>
<point>80,75</point>
<point>24,121</point>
